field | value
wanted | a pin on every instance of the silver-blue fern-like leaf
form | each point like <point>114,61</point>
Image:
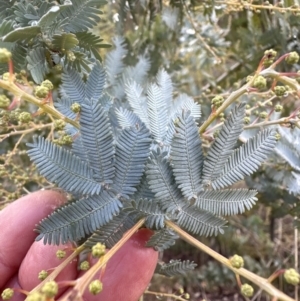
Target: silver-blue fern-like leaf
<point>223,145</point>
<point>132,151</point>
<point>175,267</point>
<point>78,219</point>
<point>97,144</point>
<point>162,239</point>
<point>60,166</point>
<point>246,159</point>
<point>186,156</point>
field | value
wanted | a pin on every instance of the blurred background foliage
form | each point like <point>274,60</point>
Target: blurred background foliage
<point>208,48</point>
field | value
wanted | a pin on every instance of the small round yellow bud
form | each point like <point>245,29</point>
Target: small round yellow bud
<point>67,140</point>
<point>41,91</point>
<point>36,296</point>
<point>259,82</point>
<point>46,83</point>
<point>249,78</point>
<point>7,294</point>
<point>75,107</point>
<point>186,296</point>
<point>4,101</point>
<point>24,117</point>
<point>71,56</point>
<point>60,254</point>
<point>217,100</point>
<point>269,57</point>
<point>50,289</point>
<point>98,250</point>
<point>181,291</point>
<point>216,133</point>
<point>279,90</point>
<point>291,276</point>
<point>5,76</point>
<point>263,115</point>
<point>237,261</point>
<point>5,55</point>
<point>247,120</point>
<point>247,290</point>
<point>292,58</point>
<point>85,265</point>
<point>277,136</point>
<point>43,275</point>
<point>95,287</point>
<point>278,108</point>
<point>59,124</point>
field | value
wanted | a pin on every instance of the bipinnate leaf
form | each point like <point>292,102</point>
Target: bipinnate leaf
<point>175,268</point>
<point>113,231</point>
<point>97,141</point>
<point>186,156</point>
<point>64,41</point>
<point>162,239</point>
<point>157,112</point>
<point>72,86</point>
<point>37,64</point>
<point>246,159</point>
<point>155,217</point>
<point>78,219</point>
<point>223,145</point>
<point>82,14</point>
<point>132,151</point>
<point>200,222</point>
<point>137,101</point>
<point>161,182</point>
<point>95,83</point>
<point>60,166</point>
<point>226,201</point>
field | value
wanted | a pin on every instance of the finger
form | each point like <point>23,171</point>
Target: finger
<point>43,257</point>
<point>17,222</point>
<point>129,271</point>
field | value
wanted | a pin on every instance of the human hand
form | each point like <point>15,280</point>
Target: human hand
<point>126,275</point>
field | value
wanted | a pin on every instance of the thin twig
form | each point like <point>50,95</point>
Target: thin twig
<point>259,281</point>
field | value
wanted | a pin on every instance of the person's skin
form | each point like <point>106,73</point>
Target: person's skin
<point>126,275</point>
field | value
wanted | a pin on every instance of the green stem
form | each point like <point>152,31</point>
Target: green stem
<point>15,90</point>
<point>259,281</point>
<point>230,99</point>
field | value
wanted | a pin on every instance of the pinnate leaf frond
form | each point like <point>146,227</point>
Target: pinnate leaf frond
<point>162,239</point>
<point>64,41</point>
<point>72,86</point>
<point>132,151</point>
<point>60,166</point>
<point>223,145</point>
<point>226,201</point>
<point>161,182</point>
<point>246,159</point>
<point>155,218</point>
<point>82,14</point>
<point>127,119</point>
<point>157,112</point>
<point>78,219</point>
<point>137,101</point>
<point>200,222</point>
<point>112,232</point>
<point>37,64</point>
<point>98,144</point>
<point>175,268</point>
<point>95,82</point>
<point>186,156</point>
